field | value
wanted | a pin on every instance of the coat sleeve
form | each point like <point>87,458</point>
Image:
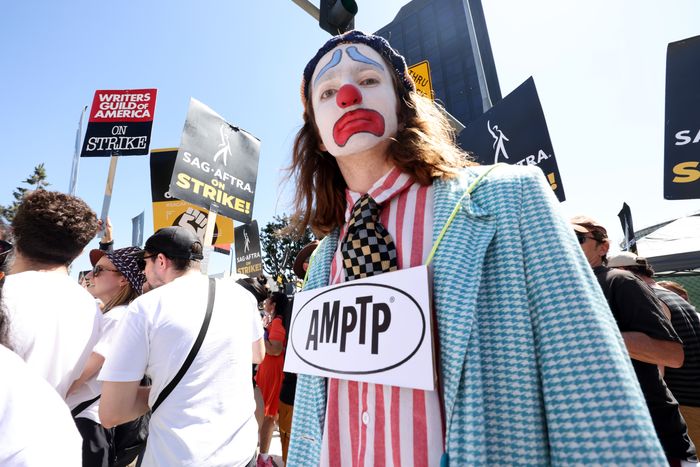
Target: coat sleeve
<point>307,421</point>
<point>595,410</point>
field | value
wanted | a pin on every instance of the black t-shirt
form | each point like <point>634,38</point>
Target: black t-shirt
<point>636,308</point>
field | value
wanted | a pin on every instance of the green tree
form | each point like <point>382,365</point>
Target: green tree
<point>280,248</point>
<point>36,181</point>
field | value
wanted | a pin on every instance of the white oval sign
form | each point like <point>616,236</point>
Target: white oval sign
<point>358,329</point>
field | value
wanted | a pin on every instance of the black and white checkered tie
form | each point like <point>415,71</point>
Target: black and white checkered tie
<point>368,248</point>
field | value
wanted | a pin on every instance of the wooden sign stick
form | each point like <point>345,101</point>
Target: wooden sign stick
<point>209,237</point>
<point>108,191</point>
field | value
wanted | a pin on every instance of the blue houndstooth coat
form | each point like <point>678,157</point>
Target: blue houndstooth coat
<point>534,369</point>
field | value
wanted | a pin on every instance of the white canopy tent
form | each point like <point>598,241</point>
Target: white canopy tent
<point>672,246</point>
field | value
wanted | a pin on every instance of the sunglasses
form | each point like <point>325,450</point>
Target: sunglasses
<point>97,270</point>
<point>582,238</point>
<point>5,249</point>
<point>141,262</point>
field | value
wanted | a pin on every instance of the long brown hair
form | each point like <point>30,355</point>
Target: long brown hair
<point>424,147</point>
<point>126,295</point>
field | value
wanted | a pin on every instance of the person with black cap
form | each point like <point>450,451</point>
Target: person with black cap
<point>207,416</point>
<point>519,322</point>
<point>648,335</point>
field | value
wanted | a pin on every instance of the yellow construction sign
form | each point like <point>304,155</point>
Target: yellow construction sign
<point>420,72</point>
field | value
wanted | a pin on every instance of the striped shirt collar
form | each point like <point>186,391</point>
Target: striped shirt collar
<point>387,187</point>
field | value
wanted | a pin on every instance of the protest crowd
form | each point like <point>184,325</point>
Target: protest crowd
<point>548,349</point>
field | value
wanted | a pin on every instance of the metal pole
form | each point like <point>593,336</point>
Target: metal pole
<point>310,8</point>
<point>76,156</point>
<point>232,249</point>
<point>476,52</point>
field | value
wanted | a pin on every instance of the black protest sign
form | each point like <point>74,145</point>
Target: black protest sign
<point>217,164</point>
<point>625,216</point>
<point>247,242</point>
<point>514,131</point>
<point>682,140</point>
<point>169,211</point>
<point>120,123</point>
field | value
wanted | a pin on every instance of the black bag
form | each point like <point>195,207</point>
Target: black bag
<point>129,439</point>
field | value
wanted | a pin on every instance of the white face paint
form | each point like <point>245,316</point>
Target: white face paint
<point>354,102</point>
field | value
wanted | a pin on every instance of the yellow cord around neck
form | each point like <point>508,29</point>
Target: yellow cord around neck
<point>455,211</point>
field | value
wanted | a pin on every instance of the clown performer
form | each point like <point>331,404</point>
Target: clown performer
<point>531,368</point>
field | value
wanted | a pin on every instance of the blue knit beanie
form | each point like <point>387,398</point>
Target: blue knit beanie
<point>378,43</point>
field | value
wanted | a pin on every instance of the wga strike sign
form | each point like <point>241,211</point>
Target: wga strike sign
<point>217,164</point>
<point>120,123</point>
<point>515,131</point>
<point>376,330</point>
<point>247,242</point>
<point>682,140</point>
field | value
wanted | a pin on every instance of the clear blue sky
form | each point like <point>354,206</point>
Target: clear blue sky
<point>599,68</point>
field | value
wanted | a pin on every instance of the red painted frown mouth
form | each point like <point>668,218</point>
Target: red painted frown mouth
<point>357,121</point>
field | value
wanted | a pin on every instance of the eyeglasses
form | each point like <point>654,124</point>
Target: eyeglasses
<point>5,249</point>
<point>97,270</point>
<point>141,262</point>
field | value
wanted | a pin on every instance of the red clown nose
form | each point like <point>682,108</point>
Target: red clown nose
<point>348,95</point>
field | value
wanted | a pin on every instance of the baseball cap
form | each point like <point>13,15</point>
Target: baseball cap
<point>625,258</point>
<point>585,224</point>
<point>174,242</point>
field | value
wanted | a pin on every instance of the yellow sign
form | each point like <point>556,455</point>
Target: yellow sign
<point>182,213</point>
<point>420,72</point>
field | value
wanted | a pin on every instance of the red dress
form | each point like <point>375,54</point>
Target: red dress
<point>270,372</point>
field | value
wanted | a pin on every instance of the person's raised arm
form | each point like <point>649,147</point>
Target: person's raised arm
<point>107,241</point>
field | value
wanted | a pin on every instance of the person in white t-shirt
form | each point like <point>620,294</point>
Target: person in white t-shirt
<point>25,396</point>
<point>208,419</point>
<point>54,322</point>
<point>116,281</point>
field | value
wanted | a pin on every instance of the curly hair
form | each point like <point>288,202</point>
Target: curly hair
<point>423,147</point>
<point>53,227</point>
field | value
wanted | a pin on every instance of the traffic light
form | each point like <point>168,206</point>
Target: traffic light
<point>337,16</point>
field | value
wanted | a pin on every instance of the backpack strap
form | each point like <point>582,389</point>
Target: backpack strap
<point>83,405</point>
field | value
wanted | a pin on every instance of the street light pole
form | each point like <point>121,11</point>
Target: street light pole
<point>309,7</point>
<point>476,52</point>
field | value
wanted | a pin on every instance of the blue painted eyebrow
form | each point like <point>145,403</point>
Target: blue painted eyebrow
<point>335,59</point>
<point>356,55</point>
